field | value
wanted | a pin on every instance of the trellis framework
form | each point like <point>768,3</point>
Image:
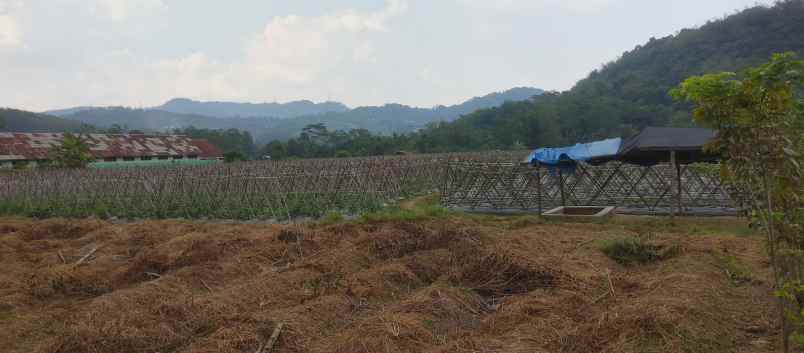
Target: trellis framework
<point>255,190</point>
<point>650,189</point>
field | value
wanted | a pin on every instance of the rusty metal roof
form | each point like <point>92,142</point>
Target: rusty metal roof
<point>37,146</point>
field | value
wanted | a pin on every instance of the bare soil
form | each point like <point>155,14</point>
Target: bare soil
<point>449,285</point>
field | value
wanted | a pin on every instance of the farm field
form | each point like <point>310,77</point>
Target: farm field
<point>277,190</point>
<point>445,283</point>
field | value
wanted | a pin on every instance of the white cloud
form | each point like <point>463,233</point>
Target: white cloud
<point>294,56</point>
<point>10,34</point>
<point>122,77</point>
<point>292,52</point>
<point>118,10</point>
<point>298,49</point>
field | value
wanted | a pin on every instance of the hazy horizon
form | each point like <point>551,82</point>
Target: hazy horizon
<point>65,53</point>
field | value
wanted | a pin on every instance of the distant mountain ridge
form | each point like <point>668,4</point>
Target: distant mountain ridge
<point>231,109</point>
<point>386,119</point>
<point>67,111</point>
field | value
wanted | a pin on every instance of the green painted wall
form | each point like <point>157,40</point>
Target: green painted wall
<point>153,163</point>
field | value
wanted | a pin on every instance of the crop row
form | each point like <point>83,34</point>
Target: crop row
<point>253,190</point>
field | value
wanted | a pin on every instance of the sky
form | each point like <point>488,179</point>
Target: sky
<point>141,53</point>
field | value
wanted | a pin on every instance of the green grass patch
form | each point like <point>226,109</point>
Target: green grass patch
<point>332,217</point>
<point>636,250</point>
<point>399,214</point>
<point>736,272</point>
<point>418,208</point>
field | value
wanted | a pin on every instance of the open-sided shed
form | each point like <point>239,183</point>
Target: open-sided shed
<point>657,171</point>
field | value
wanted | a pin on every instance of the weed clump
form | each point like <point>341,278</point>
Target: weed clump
<point>635,250</point>
<point>736,272</point>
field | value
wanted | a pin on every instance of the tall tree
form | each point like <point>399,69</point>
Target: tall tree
<point>760,123</point>
<point>72,153</point>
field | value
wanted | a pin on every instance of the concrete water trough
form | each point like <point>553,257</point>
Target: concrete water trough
<point>581,212</point>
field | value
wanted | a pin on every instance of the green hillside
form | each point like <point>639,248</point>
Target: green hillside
<point>23,121</point>
<point>631,92</point>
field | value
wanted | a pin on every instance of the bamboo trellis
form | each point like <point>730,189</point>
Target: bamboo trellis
<point>477,185</point>
<point>255,190</point>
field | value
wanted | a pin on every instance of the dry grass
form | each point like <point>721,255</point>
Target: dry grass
<point>451,285</point>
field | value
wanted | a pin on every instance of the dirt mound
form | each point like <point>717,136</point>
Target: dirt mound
<point>59,229</point>
<point>452,285</point>
<point>399,239</point>
<point>497,273</point>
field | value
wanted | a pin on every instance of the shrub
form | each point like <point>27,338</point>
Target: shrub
<point>631,250</point>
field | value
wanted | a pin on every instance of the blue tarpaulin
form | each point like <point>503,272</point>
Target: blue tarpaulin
<point>598,150</point>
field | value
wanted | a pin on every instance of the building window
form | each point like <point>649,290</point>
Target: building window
<point>145,158</point>
<point>192,157</point>
<point>178,157</point>
<point>129,159</point>
<point>164,158</point>
<point>110,159</point>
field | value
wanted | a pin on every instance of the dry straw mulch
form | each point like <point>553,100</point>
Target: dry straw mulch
<point>438,286</point>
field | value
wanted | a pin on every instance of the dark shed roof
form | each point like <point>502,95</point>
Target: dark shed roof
<point>654,144</point>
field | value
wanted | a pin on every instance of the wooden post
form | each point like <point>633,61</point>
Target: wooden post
<point>539,186</point>
<point>561,186</point>
<point>673,187</point>
<point>678,189</point>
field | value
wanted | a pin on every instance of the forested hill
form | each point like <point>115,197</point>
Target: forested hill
<point>160,121</point>
<point>748,38</point>
<point>23,121</point>
<point>386,119</point>
<point>631,92</point>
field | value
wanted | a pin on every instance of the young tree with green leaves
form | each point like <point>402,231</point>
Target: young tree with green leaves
<point>72,153</point>
<point>760,123</point>
<point>235,156</point>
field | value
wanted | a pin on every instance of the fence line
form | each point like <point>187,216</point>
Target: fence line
<point>477,185</point>
<point>254,190</point>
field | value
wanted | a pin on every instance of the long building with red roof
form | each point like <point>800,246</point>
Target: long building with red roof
<point>18,149</point>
